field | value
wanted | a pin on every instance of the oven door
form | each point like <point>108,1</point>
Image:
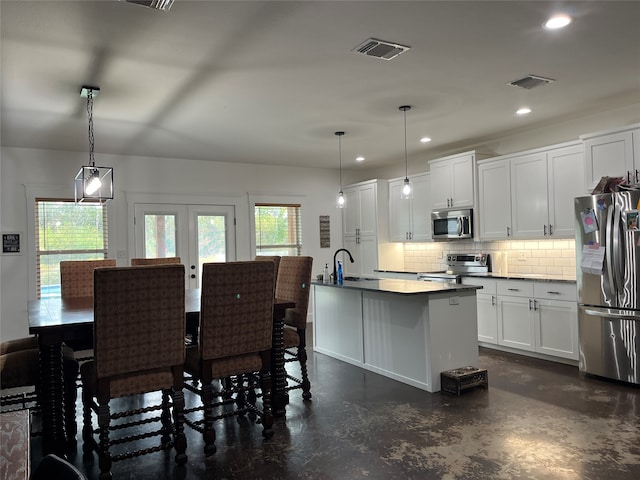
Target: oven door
<point>451,224</point>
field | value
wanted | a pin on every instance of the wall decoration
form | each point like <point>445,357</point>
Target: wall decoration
<point>11,243</point>
<point>325,231</point>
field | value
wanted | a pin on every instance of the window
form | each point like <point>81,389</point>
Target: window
<point>278,229</point>
<point>65,230</point>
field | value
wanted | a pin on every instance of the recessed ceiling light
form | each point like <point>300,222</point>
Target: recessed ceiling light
<point>360,159</point>
<point>558,21</point>
<point>425,139</point>
<point>523,111</point>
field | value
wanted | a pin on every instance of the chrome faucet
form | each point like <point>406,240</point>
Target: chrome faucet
<point>335,267</point>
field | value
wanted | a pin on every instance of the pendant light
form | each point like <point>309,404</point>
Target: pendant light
<point>340,201</point>
<point>93,183</point>
<point>407,190</point>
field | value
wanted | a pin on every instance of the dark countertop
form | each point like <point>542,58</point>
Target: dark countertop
<point>505,276</point>
<point>399,286</point>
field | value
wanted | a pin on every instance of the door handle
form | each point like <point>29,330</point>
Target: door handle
<point>193,267</point>
<point>193,275</point>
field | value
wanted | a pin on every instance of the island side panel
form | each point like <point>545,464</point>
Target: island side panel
<point>337,323</point>
<point>394,329</point>
<point>452,334</point>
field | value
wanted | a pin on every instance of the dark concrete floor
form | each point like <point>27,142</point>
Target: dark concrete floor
<point>537,420</point>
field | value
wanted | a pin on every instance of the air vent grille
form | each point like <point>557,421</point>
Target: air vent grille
<point>164,5</point>
<point>380,49</point>
<point>531,81</point>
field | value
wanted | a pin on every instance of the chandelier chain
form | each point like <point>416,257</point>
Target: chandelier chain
<point>91,137</point>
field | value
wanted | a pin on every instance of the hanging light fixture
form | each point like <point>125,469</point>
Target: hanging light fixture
<point>407,191</point>
<point>92,183</point>
<point>340,202</point>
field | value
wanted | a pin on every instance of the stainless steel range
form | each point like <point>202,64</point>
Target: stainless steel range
<point>458,264</point>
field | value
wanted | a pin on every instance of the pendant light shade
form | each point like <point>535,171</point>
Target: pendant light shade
<point>407,189</point>
<point>340,202</point>
<point>93,183</point>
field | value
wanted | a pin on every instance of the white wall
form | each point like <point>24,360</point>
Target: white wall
<point>44,170</point>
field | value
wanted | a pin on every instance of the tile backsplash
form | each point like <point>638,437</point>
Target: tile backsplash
<point>553,258</point>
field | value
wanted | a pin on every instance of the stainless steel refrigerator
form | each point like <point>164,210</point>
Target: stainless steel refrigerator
<point>608,267</point>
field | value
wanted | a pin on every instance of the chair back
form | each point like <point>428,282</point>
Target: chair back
<point>236,312</point>
<point>139,319</point>
<point>155,261</point>
<point>270,258</point>
<point>76,276</point>
<point>294,277</point>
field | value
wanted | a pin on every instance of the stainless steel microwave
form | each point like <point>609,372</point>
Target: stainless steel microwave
<point>452,224</point>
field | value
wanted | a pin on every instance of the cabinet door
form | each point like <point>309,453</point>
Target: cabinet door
<point>441,180</point>
<point>487,318</point>
<point>351,211</point>
<point>557,328</point>
<point>529,198</point>
<point>565,169</point>
<point>350,244</point>
<point>494,214</point>
<point>462,185</point>
<point>421,208</point>
<point>399,213</point>
<point>516,323</point>
<point>368,255</point>
<point>608,155</point>
<point>368,211</point>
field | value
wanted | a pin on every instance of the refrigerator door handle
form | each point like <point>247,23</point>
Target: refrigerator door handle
<point>609,249</point>
<point>618,265</point>
<point>612,313</point>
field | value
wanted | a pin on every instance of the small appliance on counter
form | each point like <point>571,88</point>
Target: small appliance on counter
<point>457,265</point>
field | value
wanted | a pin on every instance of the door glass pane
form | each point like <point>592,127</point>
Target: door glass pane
<point>212,239</point>
<point>159,236</point>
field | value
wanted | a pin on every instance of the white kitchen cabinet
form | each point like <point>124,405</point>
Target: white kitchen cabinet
<point>557,319</point>
<point>516,317</point>
<point>612,154</point>
<point>487,308</point>
<point>409,219</point>
<point>530,195</point>
<point>452,181</point>
<point>494,192</point>
<point>565,168</point>
<point>365,225</point>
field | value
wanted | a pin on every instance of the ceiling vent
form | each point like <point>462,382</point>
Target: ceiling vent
<point>531,81</point>
<point>380,49</point>
<point>164,5</point>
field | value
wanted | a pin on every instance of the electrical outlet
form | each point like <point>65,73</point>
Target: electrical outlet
<point>454,300</point>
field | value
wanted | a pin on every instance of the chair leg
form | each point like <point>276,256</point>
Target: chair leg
<point>165,418</point>
<point>241,396</point>
<point>209,431</point>
<point>267,414</point>
<point>104,457</point>
<point>302,358</point>
<point>178,419</point>
<point>87,424</point>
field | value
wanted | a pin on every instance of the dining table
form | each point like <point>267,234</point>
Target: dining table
<point>57,320</point>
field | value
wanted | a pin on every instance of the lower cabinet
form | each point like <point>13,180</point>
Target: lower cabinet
<point>539,317</point>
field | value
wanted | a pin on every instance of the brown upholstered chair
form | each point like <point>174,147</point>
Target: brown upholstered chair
<point>155,261</point>
<point>294,277</point>
<point>236,320</point>
<point>19,370</point>
<point>139,348</point>
<point>76,276</point>
<point>271,258</point>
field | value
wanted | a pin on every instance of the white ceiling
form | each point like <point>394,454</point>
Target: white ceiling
<point>270,82</point>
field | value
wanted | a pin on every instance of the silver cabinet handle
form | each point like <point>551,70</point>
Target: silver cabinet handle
<point>493,300</point>
<point>550,229</point>
<point>508,231</point>
<point>529,304</point>
<point>637,171</point>
<point>545,230</point>
<point>554,293</point>
<point>513,289</point>
<point>535,305</point>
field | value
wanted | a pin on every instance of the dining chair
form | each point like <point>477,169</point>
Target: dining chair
<point>20,374</point>
<point>155,261</point>
<point>293,283</point>
<point>236,318</point>
<point>139,348</point>
<point>270,258</point>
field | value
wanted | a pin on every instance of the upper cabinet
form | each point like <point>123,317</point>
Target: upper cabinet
<point>530,194</point>
<point>365,225</point>
<point>613,154</point>
<point>452,181</point>
<point>410,220</point>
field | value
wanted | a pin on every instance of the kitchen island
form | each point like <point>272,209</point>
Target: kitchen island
<point>407,330</point>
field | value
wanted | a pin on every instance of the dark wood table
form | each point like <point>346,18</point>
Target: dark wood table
<point>55,321</point>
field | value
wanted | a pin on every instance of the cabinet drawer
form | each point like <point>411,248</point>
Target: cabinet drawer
<point>555,291</point>
<point>488,284</point>
<point>515,288</point>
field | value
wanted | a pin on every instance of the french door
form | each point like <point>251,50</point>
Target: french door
<point>195,233</point>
